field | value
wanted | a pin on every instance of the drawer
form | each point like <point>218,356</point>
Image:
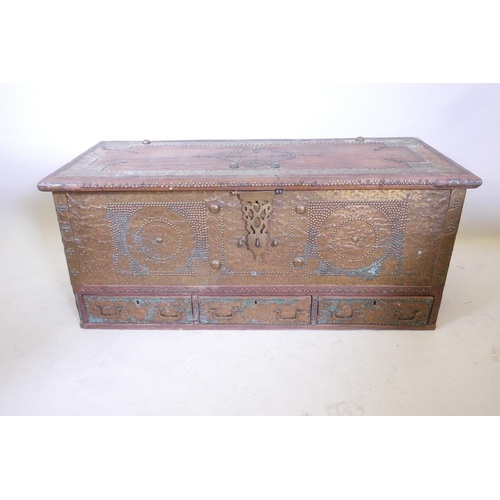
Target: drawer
<point>404,311</point>
<point>255,310</point>
<point>138,310</point>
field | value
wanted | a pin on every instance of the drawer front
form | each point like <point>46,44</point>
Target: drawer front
<point>404,311</point>
<point>138,310</point>
<point>255,310</point>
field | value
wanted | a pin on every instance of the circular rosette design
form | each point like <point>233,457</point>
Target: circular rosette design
<point>354,237</point>
<point>159,239</point>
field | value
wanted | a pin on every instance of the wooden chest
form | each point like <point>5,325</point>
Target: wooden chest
<point>348,233</point>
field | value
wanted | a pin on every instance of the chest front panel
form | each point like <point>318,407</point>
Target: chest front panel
<point>199,238</point>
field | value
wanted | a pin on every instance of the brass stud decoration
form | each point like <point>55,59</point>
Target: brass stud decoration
<point>215,264</point>
<point>214,208</point>
<point>300,209</point>
<point>298,262</point>
<point>61,208</point>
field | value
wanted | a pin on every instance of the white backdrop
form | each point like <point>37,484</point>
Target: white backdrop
<point>43,351</point>
<point>223,70</point>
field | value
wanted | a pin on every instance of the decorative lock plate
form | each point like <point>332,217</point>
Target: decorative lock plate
<point>257,208</point>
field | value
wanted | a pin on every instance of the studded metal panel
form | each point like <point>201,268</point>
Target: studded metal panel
<point>379,238</point>
<point>140,239</point>
<point>157,238</point>
<point>376,238</point>
<point>355,238</point>
<point>238,262</point>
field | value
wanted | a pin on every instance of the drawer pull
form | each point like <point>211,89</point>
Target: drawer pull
<point>169,314</point>
<point>108,311</point>
<point>408,316</point>
<point>345,312</point>
<point>217,315</point>
<point>281,316</point>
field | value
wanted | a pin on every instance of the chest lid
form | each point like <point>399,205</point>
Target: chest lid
<point>378,163</point>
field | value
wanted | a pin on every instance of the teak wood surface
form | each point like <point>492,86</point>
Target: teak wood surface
<point>404,163</point>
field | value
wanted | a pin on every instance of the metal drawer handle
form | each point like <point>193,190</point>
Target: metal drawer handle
<point>218,315</point>
<point>108,311</point>
<point>169,315</point>
<point>345,312</point>
<point>279,315</point>
<point>406,316</point>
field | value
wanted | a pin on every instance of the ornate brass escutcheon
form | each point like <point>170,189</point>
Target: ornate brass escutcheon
<point>256,207</point>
